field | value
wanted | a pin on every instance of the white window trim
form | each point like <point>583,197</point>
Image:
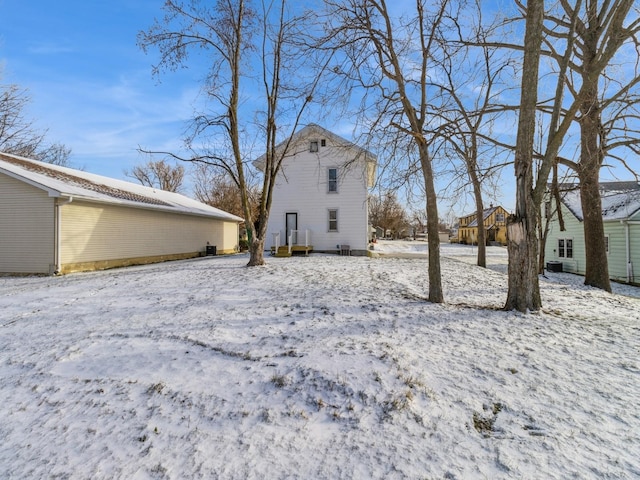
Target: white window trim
<point>337,229</point>
<point>564,251</point>
<point>329,180</point>
<point>314,146</point>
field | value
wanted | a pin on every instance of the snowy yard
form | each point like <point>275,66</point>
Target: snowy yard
<point>321,367</point>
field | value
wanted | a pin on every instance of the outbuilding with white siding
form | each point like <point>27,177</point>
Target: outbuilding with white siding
<point>57,220</point>
<point>320,196</point>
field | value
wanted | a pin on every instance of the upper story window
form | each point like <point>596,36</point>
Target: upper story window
<point>606,244</point>
<point>333,180</point>
<point>500,217</point>
<point>313,146</point>
<point>323,142</point>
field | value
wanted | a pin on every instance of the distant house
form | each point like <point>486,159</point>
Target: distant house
<point>495,224</point>
<point>621,217</point>
<point>59,220</point>
<point>320,197</point>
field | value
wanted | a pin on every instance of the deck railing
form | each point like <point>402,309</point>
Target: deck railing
<point>295,238</point>
<point>276,240</point>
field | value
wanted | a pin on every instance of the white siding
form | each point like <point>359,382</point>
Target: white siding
<point>27,241</point>
<point>302,188</point>
<point>96,232</point>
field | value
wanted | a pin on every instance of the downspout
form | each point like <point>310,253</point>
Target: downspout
<point>628,250</point>
<point>58,256</point>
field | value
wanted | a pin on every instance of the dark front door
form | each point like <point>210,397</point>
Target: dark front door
<point>291,224</point>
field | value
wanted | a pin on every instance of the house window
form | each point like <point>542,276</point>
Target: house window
<point>565,248</point>
<point>313,146</point>
<point>500,217</point>
<point>333,220</point>
<point>547,209</point>
<point>323,142</point>
<point>333,180</point>
<point>606,244</point>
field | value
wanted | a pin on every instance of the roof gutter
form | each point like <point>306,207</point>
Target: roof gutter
<point>58,236</point>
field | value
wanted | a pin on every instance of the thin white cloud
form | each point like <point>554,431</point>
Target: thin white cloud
<point>48,48</point>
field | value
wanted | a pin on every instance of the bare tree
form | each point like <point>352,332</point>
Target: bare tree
<point>474,77</point>
<point>237,36</point>
<point>607,95</point>
<point>18,134</point>
<point>386,212</point>
<point>388,59</point>
<point>524,290</point>
<point>158,174</point>
<point>216,189</point>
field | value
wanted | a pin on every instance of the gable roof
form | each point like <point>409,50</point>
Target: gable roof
<point>316,131</point>
<point>485,214</point>
<point>620,200</point>
<point>67,182</point>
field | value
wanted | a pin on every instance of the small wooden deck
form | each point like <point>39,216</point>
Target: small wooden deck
<point>283,250</point>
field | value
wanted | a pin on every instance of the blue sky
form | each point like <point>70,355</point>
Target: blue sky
<point>90,84</point>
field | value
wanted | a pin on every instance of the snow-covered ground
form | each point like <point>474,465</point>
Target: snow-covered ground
<point>320,367</point>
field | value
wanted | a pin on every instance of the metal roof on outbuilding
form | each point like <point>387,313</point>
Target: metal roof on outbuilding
<point>67,182</point>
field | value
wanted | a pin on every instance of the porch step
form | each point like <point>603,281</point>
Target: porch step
<point>283,251</point>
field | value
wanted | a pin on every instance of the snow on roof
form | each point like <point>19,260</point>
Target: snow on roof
<point>311,130</point>
<point>485,214</point>
<point>67,182</point>
<point>620,200</point>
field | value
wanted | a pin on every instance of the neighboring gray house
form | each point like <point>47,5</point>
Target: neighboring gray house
<point>58,220</point>
<point>621,216</point>
<point>320,197</point>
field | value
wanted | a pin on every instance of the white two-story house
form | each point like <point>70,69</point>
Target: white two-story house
<point>320,196</point>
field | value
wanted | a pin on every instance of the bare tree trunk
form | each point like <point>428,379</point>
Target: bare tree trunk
<point>524,290</point>
<point>256,252</point>
<point>436,295</point>
<point>591,157</point>
<point>482,233</point>
<point>597,265</point>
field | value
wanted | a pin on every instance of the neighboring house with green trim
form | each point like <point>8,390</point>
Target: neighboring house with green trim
<point>621,216</point>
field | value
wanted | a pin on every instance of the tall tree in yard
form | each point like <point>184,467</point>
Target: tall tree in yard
<point>465,124</point>
<point>524,294</point>
<point>604,84</point>
<point>386,59</point>
<point>252,48</point>
<point>524,290</point>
